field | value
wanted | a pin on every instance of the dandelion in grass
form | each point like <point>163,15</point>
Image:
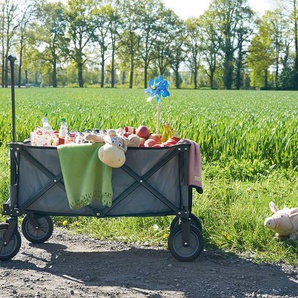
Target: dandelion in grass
<point>158,88</point>
<point>165,236</point>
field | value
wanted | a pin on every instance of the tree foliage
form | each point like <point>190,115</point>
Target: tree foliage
<point>127,42</point>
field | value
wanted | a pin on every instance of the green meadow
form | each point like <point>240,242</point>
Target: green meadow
<point>249,143</point>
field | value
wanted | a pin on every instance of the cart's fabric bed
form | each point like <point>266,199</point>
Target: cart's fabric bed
<point>152,182</point>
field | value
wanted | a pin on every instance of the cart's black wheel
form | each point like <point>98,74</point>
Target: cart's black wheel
<point>182,252</point>
<point>39,232</point>
<point>194,220</point>
<point>9,250</point>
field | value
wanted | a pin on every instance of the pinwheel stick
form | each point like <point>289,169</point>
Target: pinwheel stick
<point>158,88</point>
<point>158,118</point>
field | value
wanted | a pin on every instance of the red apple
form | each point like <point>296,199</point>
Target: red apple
<point>149,143</point>
<point>143,131</point>
<point>175,139</point>
<point>142,142</point>
<point>156,137</point>
<point>171,141</point>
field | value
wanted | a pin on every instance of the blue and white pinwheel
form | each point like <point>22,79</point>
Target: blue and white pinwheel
<point>157,88</point>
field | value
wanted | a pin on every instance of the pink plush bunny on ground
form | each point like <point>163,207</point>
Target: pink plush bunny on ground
<point>284,222</point>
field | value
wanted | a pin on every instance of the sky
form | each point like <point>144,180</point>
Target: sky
<point>193,8</point>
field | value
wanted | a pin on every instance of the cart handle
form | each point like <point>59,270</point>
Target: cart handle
<point>12,60</point>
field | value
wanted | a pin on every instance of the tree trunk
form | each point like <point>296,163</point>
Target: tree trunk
<point>177,77</point>
<point>113,67</point>
<point>20,65</point>
<point>131,74</point>
<point>3,67</point>
<point>123,77</point>
<point>80,75</point>
<point>145,76</point>
<point>211,80</point>
<point>195,74</point>
<point>26,77</point>
<point>238,76</point>
<point>102,77</point>
<point>266,79</point>
<point>195,79</point>
<point>228,70</point>
<point>132,64</point>
<point>54,76</point>
<point>6,73</point>
<point>239,70</point>
<point>277,73</point>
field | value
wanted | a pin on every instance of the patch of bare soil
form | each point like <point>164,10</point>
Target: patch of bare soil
<point>78,266</point>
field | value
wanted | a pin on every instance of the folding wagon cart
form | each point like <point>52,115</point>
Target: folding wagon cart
<point>152,182</point>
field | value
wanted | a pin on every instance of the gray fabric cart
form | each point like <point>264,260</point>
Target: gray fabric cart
<point>152,182</point>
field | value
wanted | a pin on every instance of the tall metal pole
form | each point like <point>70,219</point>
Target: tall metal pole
<point>12,59</point>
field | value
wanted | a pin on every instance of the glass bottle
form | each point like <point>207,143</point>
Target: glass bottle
<point>45,124</point>
<point>63,131</point>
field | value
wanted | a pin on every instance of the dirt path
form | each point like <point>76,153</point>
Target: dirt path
<point>77,266</point>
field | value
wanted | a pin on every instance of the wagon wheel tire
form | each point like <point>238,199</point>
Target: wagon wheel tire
<point>194,220</point>
<point>40,232</point>
<point>189,252</point>
<point>9,250</point>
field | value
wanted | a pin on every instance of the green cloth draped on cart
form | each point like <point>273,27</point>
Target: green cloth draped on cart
<point>86,178</point>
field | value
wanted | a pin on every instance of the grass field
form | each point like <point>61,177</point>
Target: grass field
<point>248,140</point>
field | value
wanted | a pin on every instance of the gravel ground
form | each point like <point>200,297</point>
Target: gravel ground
<point>78,266</point>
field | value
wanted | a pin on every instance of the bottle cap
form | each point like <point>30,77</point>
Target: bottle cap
<point>63,119</point>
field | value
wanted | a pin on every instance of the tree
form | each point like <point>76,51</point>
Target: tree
<point>23,28</point>
<point>81,30</point>
<point>49,33</point>
<point>272,51</point>
<point>261,55</point>
<point>9,24</point>
<point>193,47</point>
<point>114,26</point>
<point>177,53</point>
<point>243,36</point>
<point>150,12</point>
<point>289,12</point>
<point>142,37</point>
<point>100,15</point>
<point>210,45</point>
<point>128,52</point>
<point>129,39</point>
<point>280,40</point>
<point>170,28</point>
<point>232,19</point>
